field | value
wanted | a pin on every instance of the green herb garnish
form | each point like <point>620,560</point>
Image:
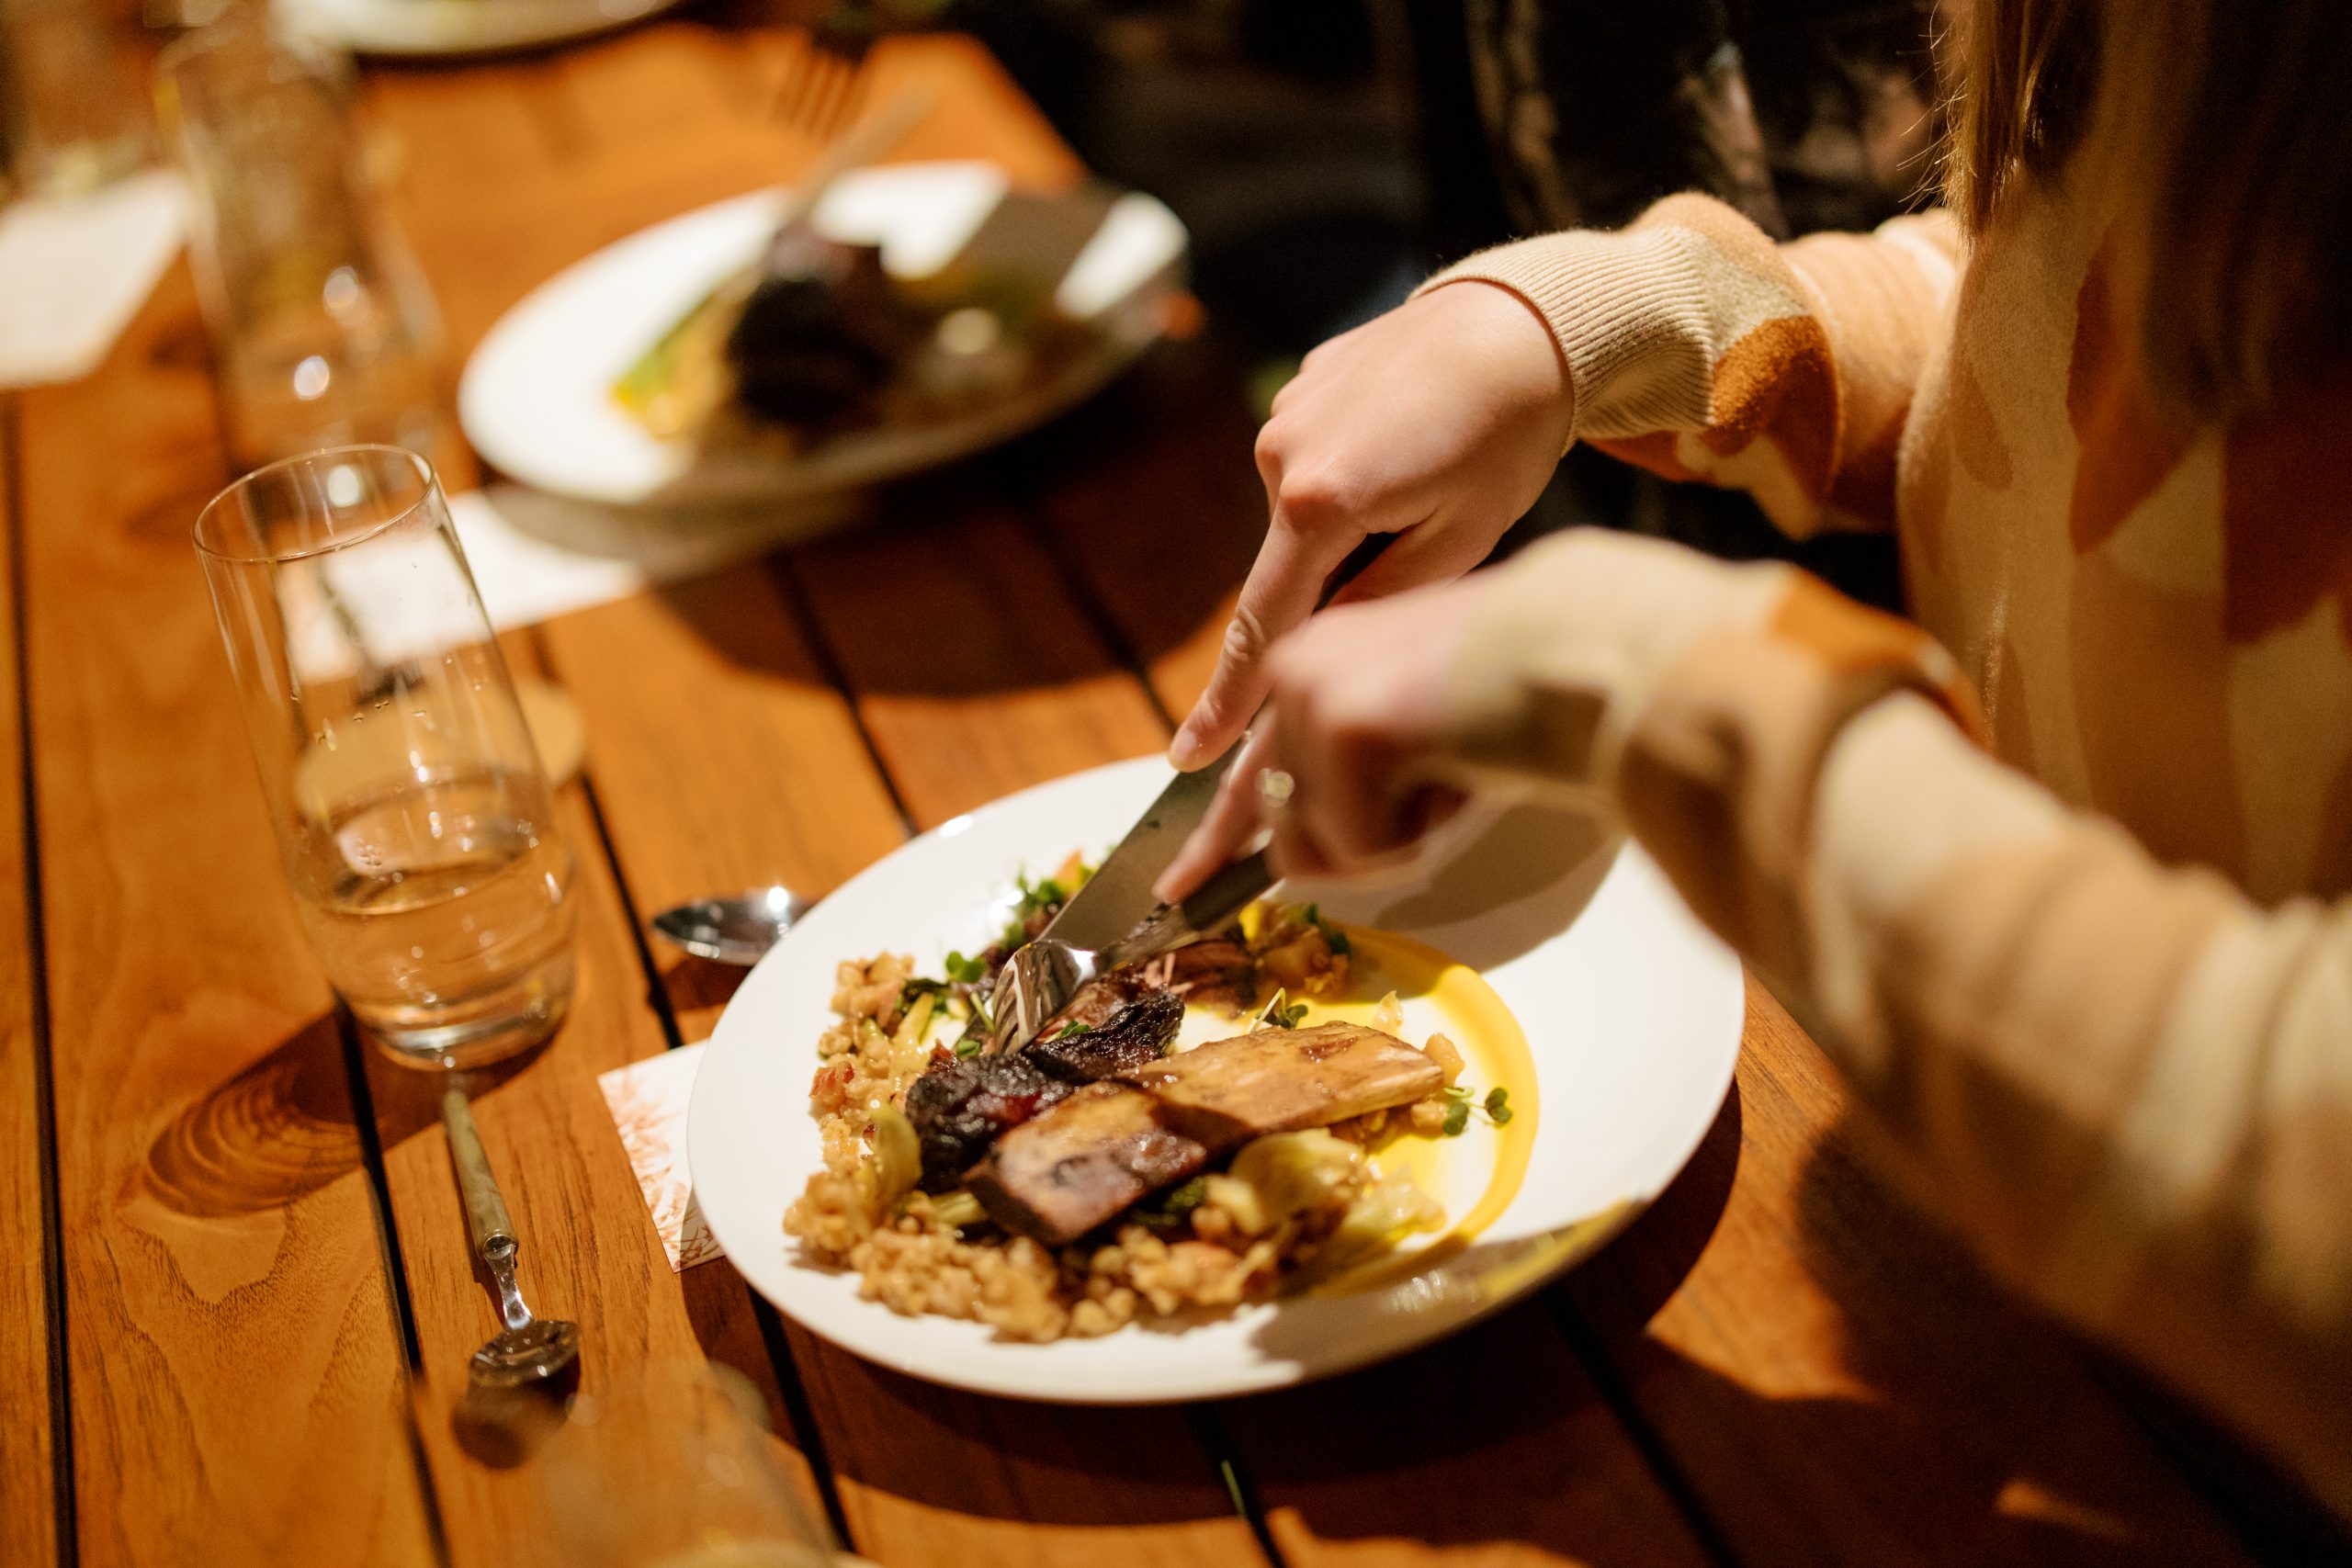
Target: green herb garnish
<point>968,1047</point>
<point>965,971</point>
<point>1282,1012</point>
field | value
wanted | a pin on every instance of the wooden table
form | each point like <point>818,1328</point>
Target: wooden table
<point>236,1295</point>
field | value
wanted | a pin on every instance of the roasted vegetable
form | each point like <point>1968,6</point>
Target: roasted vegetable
<point>897,1156</point>
<point>1067,1170</point>
<point>1280,1177</point>
<point>1059,1175</point>
<point>1278,1080</point>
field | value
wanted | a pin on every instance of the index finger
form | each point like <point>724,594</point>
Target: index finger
<point>1281,592</point>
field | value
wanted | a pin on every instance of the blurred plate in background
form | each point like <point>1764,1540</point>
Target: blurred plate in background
<point>536,398</point>
<point>429,27</point>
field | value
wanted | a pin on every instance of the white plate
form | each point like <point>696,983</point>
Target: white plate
<point>1631,1010</point>
<point>536,397</point>
<point>431,28</point>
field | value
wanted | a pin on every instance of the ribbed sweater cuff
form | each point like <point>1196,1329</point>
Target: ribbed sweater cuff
<point>1613,302</point>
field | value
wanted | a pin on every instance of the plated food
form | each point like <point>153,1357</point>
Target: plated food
<point>430,29</point>
<point>922,312</point>
<point>1184,1135</point>
<point>817,337</point>
<point>1559,965</point>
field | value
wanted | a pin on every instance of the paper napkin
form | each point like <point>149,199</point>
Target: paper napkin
<point>74,270</point>
<point>648,1101</point>
<point>536,556</point>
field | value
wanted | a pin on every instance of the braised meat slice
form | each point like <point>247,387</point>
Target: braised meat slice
<point>1215,971</point>
<point>959,1108</point>
<point>1140,1031</point>
<point>1114,1143</point>
<point>1278,1080</point>
<point>1099,1001</point>
<point>1098,1152</point>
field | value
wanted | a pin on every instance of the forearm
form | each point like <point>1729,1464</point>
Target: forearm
<point>2128,1087</point>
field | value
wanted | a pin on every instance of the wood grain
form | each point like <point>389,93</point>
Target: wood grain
<point>925,1475</point>
<point>722,756</point>
<point>1494,1446</point>
<point>1840,1383</point>
<point>589,1250</point>
<point>237,1380</point>
<point>28,1330</point>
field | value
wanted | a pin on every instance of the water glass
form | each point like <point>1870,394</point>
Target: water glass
<point>323,329</point>
<point>76,119</point>
<point>674,1467</point>
<point>412,814</point>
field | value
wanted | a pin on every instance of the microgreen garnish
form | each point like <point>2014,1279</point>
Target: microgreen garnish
<point>968,1047</point>
<point>1169,1210</point>
<point>1282,1012</point>
<point>1460,1103</point>
<point>1071,1029</point>
<point>966,971</point>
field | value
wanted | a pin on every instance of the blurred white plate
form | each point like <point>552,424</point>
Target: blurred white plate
<point>536,398</point>
<point>1631,1010</point>
<point>428,27</point>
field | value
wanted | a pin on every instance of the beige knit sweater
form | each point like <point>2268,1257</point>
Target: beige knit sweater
<point>2068,905</point>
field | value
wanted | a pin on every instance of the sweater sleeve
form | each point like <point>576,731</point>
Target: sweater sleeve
<point>1698,348</point>
<point>2127,1085</point>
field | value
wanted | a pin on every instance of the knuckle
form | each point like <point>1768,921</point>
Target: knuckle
<point>1320,497</point>
<point>1272,437</point>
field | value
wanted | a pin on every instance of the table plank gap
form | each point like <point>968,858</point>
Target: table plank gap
<point>589,1249</point>
<point>1696,1515</point>
<point>209,1180</point>
<point>36,1400</point>
<point>925,1474</point>
<point>806,1434</point>
<point>1834,1375</point>
<point>1180,433</point>
<point>1747,1311</point>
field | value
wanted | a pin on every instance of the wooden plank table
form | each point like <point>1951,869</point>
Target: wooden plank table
<point>236,1295</point>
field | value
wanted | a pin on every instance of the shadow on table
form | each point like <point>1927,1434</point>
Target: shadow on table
<point>287,1124</point>
<point>1116,532</point>
<point>1543,1426</point>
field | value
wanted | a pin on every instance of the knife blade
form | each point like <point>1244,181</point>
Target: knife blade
<point>1118,897</point>
<point>1115,919</point>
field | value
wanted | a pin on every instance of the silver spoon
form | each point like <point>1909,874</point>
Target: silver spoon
<point>732,931</point>
<point>531,1350</point>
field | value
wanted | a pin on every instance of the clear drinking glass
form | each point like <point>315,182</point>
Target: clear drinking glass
<point>322,327</point>
<point>674,1467</point>
<point>70,98</point>
<point>411,812</point>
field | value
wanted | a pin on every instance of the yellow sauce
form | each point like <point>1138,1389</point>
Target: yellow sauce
<point>1495,1053</point>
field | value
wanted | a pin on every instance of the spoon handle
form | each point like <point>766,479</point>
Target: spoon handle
<point>485,1210</point>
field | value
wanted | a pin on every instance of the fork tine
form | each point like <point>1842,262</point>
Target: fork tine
<point>840,97</point>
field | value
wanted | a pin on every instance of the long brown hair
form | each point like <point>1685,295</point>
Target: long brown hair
<point>2223,128</point>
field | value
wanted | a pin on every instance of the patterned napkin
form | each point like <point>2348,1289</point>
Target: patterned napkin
<point>648,1101</point>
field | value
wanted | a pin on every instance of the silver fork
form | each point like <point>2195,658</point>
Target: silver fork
<point>1040,978</point>
<point>822,89</point>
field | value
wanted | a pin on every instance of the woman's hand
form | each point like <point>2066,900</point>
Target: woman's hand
<point>1358,721</point>
<point>1440,422</point>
